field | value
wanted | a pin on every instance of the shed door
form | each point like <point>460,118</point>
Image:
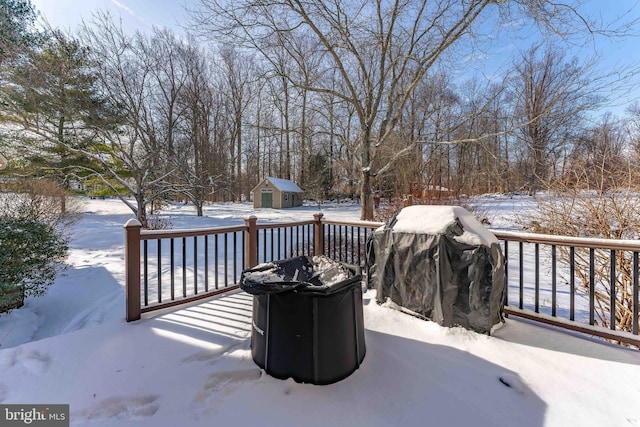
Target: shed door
<point>267,199</point>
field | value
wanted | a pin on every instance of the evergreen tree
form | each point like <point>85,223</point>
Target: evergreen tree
<point>50,92</point>
<point>16,19</point>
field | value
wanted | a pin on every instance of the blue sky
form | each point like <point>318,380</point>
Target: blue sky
<point>135,14</point>
<point>613,54</point>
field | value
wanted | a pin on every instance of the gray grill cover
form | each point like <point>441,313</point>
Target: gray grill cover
<point>440,263</point>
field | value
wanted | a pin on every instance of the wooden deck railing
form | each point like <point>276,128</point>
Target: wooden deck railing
<point>585,285</point>
<point>198,263</point>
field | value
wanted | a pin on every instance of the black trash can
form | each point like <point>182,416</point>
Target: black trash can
<point>307,318</point>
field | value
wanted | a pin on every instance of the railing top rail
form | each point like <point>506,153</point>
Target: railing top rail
<point>284,224</point>
<point>354,223</point>
<point>585,242</point>
<point>191,232</point>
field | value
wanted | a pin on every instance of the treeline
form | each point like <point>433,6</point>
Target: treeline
<point>347,101</point>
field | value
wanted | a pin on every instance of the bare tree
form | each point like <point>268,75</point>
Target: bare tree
<point>381,49</point>
<point>281,92</point>
<point>238,81</point>
<point>169,68</point>
<point>133,152</point>
<point>198,155</point>
<point>551,96</point>
<point>633,128</point>
<point>598,159</point>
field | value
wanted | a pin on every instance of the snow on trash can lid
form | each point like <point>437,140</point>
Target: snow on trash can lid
<point>434,220</point>
<point>304,274</point>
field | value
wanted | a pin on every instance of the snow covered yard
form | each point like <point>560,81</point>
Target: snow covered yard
<point>192,366</point>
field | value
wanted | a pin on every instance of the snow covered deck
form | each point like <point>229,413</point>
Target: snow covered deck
<point>192,366</point>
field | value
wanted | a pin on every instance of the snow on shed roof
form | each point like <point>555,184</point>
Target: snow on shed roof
<point>285,185</point>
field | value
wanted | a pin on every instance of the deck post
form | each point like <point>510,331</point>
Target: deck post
<point>132,268</point>
<point>318,235</point>
<point>251,241</point>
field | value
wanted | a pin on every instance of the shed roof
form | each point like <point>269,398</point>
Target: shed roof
<point>283,184</point>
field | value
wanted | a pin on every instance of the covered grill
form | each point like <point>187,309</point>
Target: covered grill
<point>440,263</point>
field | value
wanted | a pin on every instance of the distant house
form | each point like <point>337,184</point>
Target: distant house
<point>277,193</point>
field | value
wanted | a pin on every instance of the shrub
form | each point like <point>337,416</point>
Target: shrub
<point>31,254</point>
<point>40,199</point>
<point>157,222</point>
<point>611,211</point>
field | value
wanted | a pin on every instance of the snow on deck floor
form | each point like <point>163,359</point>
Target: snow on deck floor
<point>192,366</point>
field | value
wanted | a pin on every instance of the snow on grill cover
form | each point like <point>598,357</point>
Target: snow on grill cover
<point>440,263</point>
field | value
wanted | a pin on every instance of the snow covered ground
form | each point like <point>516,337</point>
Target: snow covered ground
<point>192,366</point>
<point>91,292</point>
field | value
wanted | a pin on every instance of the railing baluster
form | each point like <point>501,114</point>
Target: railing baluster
<point>612,290</point>
<point>146,272</point>
<point>359,248</point>
<point>279,237</point>
<point>344,241</point>
<point>195,265</point>
<point>572,283</point>
<point>592,286</point>
<point>235,256</point>
<point>352,246</point>
<point>217,261</point>
<point>341,245</point>
<point>634,321</point>
<point>284,243</point>
<point>506,272</point>
<point>334,240</point>
<point>272,247</point>
<point>325,243</point>
<point>244,261</point>
<point>537,277</point>
<point>206,263</point>
<point>184,267</point>
<point>553,281</point>
<point>521,267</point>
<point>159,241</point>
<point>264,245</point>
<point>291,241</point>
<point>365,245</point>
<point>226,258</point>
<point>173,270</point>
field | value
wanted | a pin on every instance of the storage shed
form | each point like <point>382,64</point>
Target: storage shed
<point>277,193</point>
